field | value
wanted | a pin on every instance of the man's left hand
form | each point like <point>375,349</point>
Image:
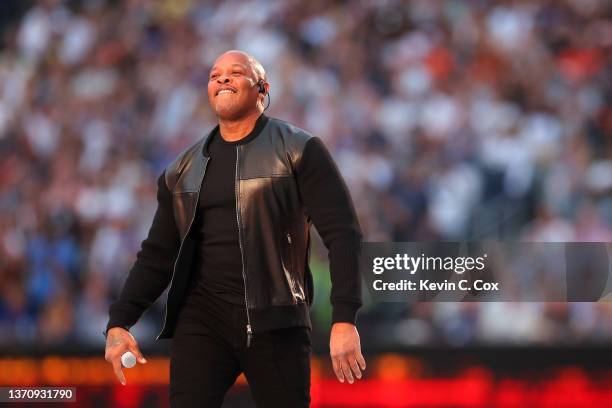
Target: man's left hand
<point>345,351</point>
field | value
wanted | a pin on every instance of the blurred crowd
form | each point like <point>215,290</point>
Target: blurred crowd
<point>450,120</point>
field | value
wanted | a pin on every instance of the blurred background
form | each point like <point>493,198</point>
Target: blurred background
<point>450,120</point>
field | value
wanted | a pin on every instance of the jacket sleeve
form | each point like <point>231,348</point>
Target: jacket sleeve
<point>152,270</point>
<point>327,201</point>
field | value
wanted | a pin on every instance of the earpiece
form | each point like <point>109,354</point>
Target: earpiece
<point>262,89</point>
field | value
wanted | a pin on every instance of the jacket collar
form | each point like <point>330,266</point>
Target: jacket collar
<point>259,124</point>
<point>207,140</point>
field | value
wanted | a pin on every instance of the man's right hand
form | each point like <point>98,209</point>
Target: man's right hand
<point>118,341</point>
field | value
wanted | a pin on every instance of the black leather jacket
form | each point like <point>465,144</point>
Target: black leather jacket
<point>274,236</point>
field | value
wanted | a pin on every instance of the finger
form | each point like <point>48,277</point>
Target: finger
<point>355,367</point>
<point>136,351</point>
<point>337,370</point>
<point>344,365</point>
<point>118,371</point>
<point>361,360</point>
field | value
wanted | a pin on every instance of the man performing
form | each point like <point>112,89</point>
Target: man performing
<point>230,237</point>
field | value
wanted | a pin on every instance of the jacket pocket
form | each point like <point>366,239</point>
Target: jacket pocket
<point>288,265</point>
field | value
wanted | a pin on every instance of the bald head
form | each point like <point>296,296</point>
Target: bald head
<point>257,69</point>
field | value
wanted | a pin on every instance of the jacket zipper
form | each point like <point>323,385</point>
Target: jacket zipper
<point>179,254</point>
<point>249,330</point>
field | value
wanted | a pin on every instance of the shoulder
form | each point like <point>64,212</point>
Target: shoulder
<point>302,141</point>
<point>177,166</point>
<point>291,134</point>
<point>292,138</point>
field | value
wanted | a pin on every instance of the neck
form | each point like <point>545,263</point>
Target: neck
<point>236,129</point>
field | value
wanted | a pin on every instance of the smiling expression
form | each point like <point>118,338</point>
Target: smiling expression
<point>232,86</point>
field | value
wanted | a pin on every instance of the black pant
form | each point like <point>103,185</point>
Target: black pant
<point>209,351</point>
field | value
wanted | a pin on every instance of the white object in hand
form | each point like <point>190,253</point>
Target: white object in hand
<point>128,359</point>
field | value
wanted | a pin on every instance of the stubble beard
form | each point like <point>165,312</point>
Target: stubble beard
<point>228,110</point>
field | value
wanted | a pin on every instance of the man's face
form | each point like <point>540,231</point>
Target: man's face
<point>232,90</point>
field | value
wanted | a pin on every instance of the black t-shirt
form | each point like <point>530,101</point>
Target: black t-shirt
<point>218,260</point>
